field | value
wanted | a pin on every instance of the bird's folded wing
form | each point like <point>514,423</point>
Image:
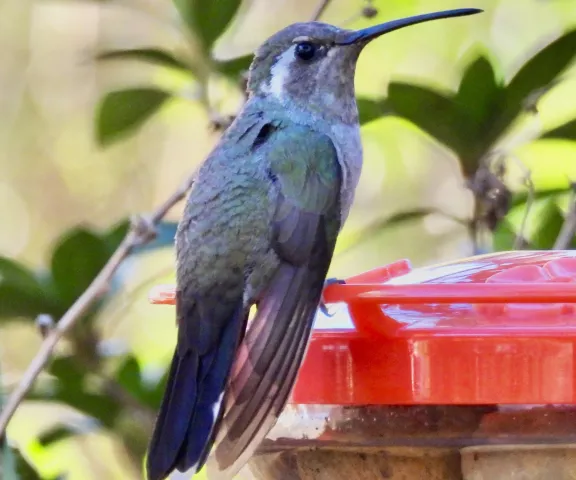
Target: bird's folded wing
<point>305,167</point>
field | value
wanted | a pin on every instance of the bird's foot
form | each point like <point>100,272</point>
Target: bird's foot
<point>327,282</point>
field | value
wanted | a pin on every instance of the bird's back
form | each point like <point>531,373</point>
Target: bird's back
<point>226,222</point>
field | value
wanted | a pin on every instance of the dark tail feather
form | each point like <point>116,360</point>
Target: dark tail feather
<point>191,406</point>
<point>267,365</point>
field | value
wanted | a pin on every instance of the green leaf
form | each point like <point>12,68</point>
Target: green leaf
<point>563,132</point>
<point>480,96</point>
<point>67,370</point>
<point>407,216</point>
<point>129,374</point>
<point>436,114</point>
<point>76,260</point>
<point>21,293</point>
<point>13,465</point>
<point>11,272</point>
<point>479,93</point>
<point>70,387</point>
<point>99,406</point>
<point>207,19</point>
<point>235,67</point>
<point>55,434</point>
<point>122,112</point>
<point>61,431</point>
<point>537,73</point>
<point>116,234</point>
<point>522,196</point>
<point>549,225</point>
<point>130,377</point>
<point>154,56</point>
<point>370,110</point>
<point>504,238</point>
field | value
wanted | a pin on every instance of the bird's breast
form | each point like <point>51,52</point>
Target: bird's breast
<point>346,138</point>
<point>223,229</point>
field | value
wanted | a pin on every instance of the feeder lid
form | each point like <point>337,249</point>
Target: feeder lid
<point>491,329</point>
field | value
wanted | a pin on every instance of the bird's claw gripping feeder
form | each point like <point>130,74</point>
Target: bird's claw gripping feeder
<point>465,370</point>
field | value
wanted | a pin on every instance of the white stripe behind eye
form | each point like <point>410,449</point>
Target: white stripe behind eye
<point>279,73</point>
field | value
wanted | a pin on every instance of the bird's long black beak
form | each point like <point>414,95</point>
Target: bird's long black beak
<point>367,34</point>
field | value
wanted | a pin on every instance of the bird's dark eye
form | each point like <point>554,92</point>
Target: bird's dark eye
<point>305,50</point>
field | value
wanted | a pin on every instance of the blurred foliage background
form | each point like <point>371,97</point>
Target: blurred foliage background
<point>469,131</point>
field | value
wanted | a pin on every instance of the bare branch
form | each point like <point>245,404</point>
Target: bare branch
<point>520,239</point>
<point>568,230</point>
<point>142,231</point>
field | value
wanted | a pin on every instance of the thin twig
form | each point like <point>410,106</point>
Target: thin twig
<point>320,10</point>
<point>141,232</point>
<point>568,230</point>
<point>520,239</point>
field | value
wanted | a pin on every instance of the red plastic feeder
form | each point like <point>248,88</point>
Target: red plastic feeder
<point>433,358</point>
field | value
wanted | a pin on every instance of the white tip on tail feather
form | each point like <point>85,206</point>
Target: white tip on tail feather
<point>216,407</point>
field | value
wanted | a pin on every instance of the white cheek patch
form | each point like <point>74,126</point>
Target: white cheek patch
<point>280,72</point>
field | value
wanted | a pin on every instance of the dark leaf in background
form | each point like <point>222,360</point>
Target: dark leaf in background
<point>504,238</point>
<point>67,369</point>
<point>566,131</point>
<point>550,221</point>
<point>11,272</point>
<point>129,376</point>
<point>521,197</point>
<point>540,71</point>
<point>207,19</point>
<point>116,234</point>
<point>233,68</point>
<point>13,465</point>
<point>478,92</point>
<point>55,435</point>
<point>407,216</point>
<point>434,113</point>
<point>70,387</point>
<point>154,56</point>
<point>101,407</point>
<point>60,431</point>
<point>479,95</point>
<point>369,110</point>
<point>123,111</point>
<point>21,293</point>
<point>76,260</point>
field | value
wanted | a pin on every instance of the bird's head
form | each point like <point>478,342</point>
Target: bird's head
<point>312,65</point>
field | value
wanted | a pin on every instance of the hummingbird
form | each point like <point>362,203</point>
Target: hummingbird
<point>258,230</point>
